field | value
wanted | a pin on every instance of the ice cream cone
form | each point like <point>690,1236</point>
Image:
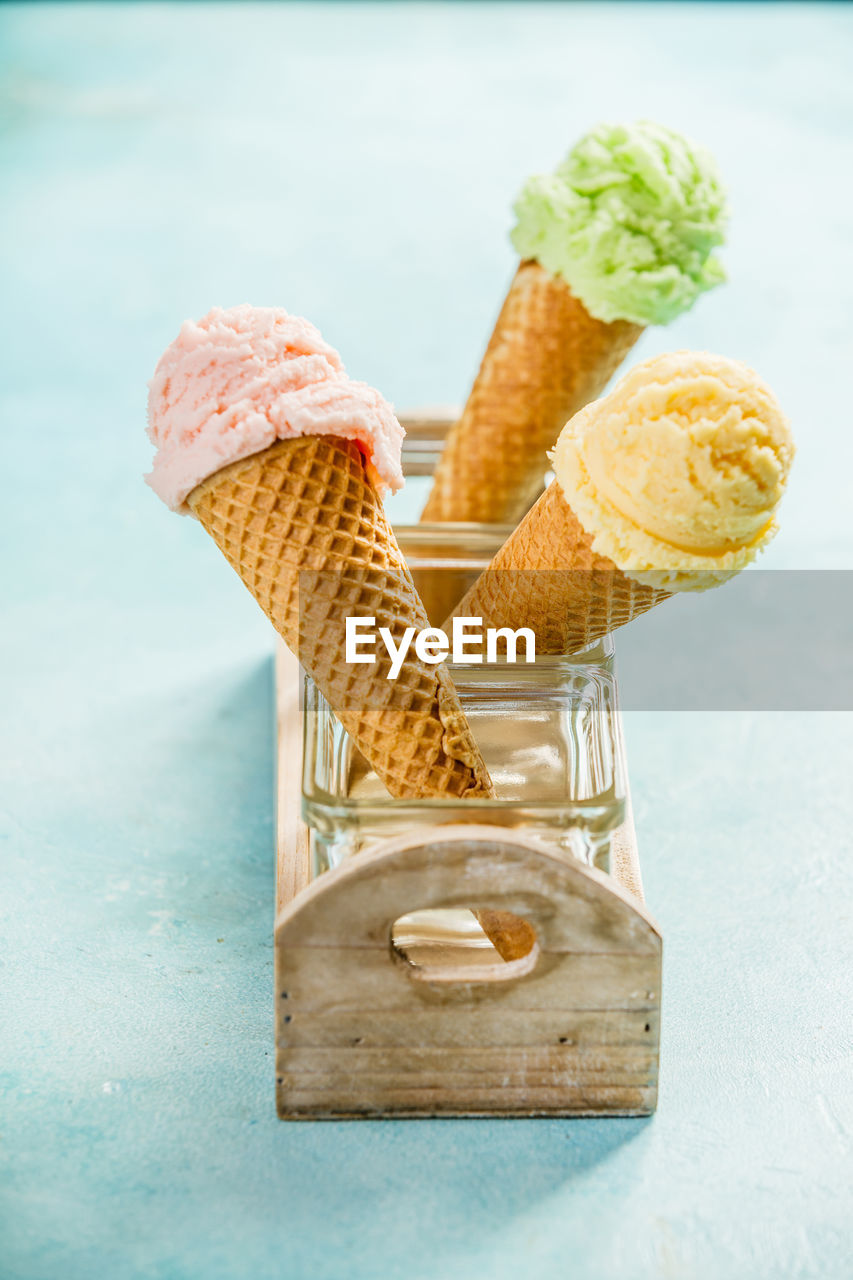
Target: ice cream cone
<point>620,236</point>
<point>669,483</point>
<point>302,525</point>
<point>282,457</point>
<point>548,577</point>
<point>546,358</point>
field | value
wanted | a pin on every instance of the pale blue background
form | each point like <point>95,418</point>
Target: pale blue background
<point>357,163</point>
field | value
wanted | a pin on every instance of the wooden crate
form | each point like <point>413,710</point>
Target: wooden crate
<point>573,1028</point>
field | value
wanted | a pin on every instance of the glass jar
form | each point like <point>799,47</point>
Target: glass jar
<point>550,736</point>
<point>549,731</point>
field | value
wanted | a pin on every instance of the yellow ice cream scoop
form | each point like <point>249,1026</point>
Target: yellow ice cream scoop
<point>669,483</point>
<point>677,474</point>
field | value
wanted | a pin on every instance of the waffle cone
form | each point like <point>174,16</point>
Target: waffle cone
<point>547,358</point>
<point>304,528</point>
<point>547,577</point>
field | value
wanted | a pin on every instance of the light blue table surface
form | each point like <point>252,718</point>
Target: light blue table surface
<point>357,163</point>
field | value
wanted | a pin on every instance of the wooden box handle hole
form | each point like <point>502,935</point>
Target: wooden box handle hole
<point>465,944</point>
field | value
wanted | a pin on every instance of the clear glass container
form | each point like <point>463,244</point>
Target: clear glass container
<point>550,733</point>
<point>550,736</point>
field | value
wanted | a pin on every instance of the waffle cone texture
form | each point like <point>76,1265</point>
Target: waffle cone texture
<point>547,577</point>
<point>547,358</point>
<point>304,528</point>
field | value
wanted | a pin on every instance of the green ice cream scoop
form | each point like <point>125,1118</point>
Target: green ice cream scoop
<point>630,220</point>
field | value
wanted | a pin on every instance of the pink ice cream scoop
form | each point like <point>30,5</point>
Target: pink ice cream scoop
<point>241,378</point>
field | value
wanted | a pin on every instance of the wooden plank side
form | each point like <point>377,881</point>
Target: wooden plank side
<point>293,853</point>
<point>361,1101</point>
<point>341,1090</point>
<point>493,1027</point>
<point>332,980</point>
<point>441,1067</point>
<point>624,857</point>
<point>432,1058</point>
